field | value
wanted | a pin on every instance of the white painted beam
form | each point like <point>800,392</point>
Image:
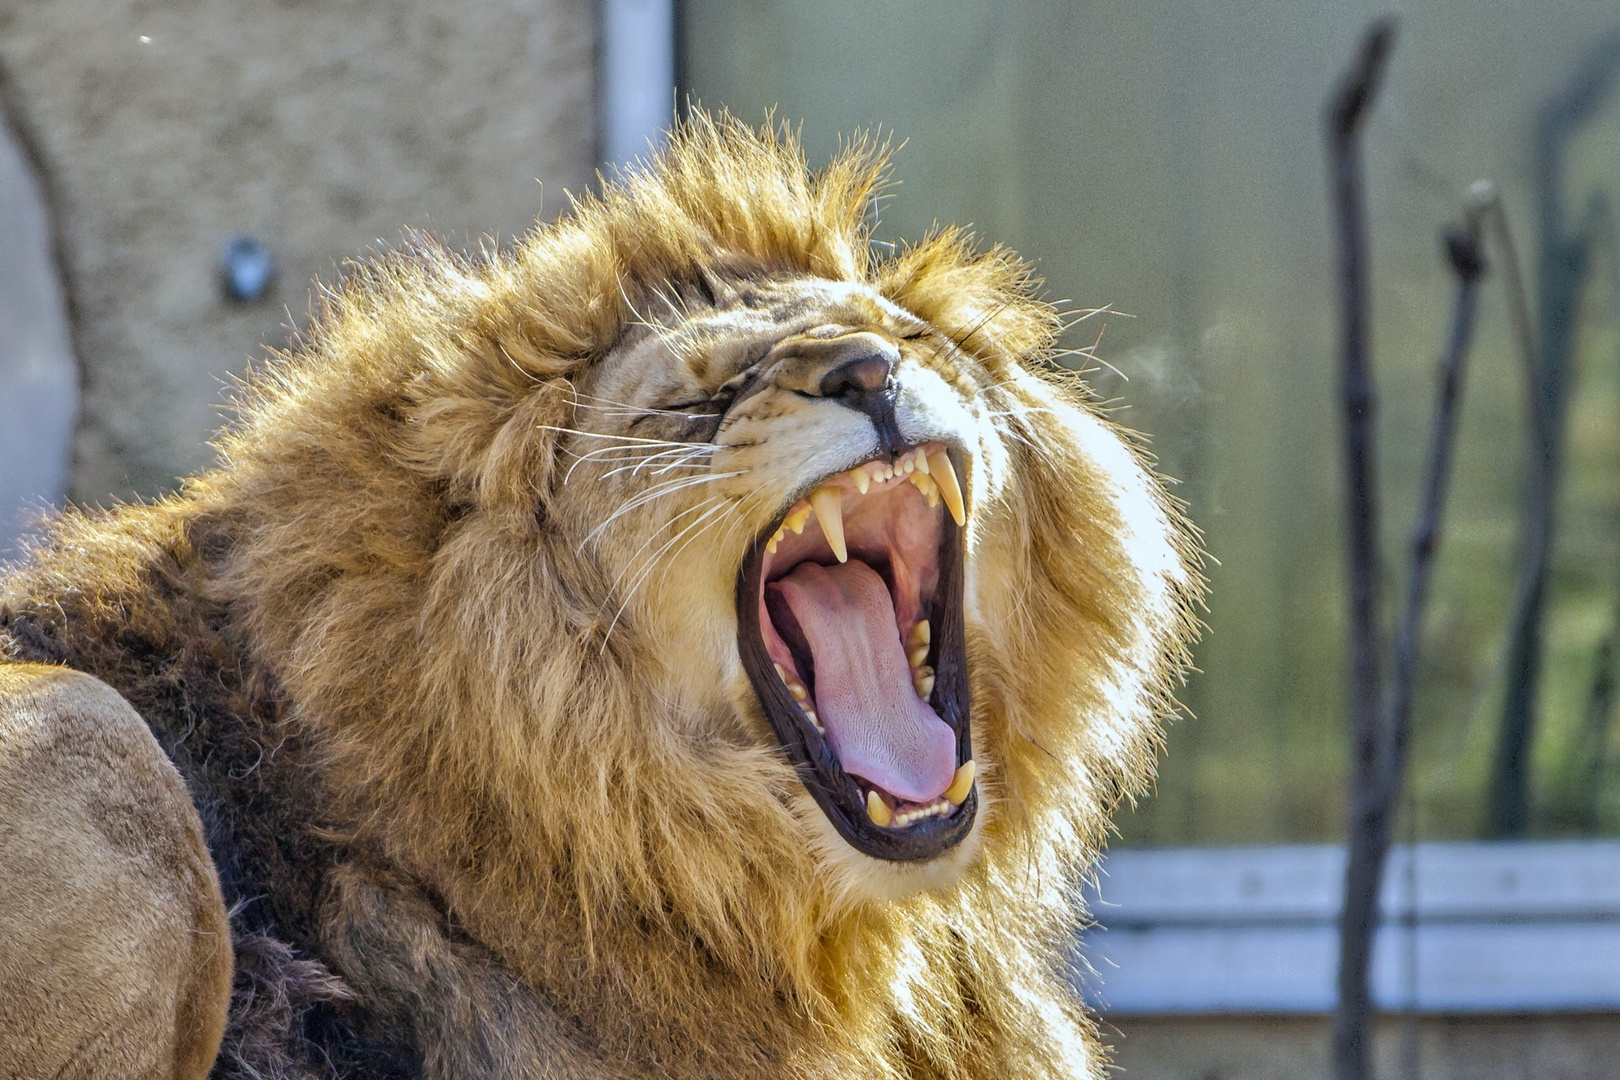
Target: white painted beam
<point>1467,928</point>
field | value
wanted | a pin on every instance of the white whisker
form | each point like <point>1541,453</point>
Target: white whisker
<point>652,494</point>
<point>652,564</point>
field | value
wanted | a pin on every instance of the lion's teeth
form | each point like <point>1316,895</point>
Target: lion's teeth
<point>828,505</point>
<point>861,478</point>
<point>815,721</point>
<point>922,681</point>
<point>798,691</point>
<point>940,471</point>
<point>961,784</point>
<point>796,518</point>
<point>781,672</point>
<point>921,634</point>
<point>927,486</point>
<point>918,654</point>
<point>921,460</point>
<point>878,810</point>
<point>933,809</point>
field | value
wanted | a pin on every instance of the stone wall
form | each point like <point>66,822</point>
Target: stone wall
<point>322,130</point>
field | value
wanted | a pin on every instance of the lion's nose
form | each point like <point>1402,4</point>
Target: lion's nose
<point>855,369</point>
<point>869,370</point>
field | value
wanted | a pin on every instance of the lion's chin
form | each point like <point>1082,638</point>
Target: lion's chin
<point>850,630</point>
<point>854,877</point>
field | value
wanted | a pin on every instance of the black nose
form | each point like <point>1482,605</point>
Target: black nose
<point>869,373</point>
<point>855,369</point>
<point>861,376</point>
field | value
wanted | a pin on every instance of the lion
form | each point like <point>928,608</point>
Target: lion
<point>696,641</point>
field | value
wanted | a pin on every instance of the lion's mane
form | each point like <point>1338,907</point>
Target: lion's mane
<point>375,615</point>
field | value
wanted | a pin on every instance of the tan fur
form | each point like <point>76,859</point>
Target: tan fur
<point>519,667</point>
<point>115,956</point>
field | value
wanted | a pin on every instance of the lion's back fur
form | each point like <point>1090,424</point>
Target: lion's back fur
<point>429,747</point>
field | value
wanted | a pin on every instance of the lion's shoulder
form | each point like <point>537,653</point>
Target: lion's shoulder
<point>111,920</point>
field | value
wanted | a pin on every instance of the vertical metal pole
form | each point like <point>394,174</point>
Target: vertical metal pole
<point>637,77</point>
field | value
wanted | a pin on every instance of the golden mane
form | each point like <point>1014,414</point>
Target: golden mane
<point>401,549</point>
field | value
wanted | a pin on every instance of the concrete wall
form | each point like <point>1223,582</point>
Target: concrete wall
<point>1570,1047</point>
<point>165,128</point>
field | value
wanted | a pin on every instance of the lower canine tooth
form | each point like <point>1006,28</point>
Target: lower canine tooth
<point>828,504</point>
<point>921,634</point>
<point>940,471</point>
<point>878,810</point>
<point>922,680</point>
<point>961,784</point>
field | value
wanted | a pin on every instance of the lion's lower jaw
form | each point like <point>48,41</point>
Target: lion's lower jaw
<point>855,877</point>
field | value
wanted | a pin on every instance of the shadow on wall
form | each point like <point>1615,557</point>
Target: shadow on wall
<point>38,383</point>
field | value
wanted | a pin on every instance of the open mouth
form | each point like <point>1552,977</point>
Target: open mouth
<point>849,615</point>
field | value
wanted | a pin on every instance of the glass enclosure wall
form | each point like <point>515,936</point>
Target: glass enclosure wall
<point>1165,159</point>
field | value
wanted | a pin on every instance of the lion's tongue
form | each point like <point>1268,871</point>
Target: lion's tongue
<point>879,729</point>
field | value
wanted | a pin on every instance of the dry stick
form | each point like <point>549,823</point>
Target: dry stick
<point>1346,109</point>
<point>1561,275</point>
<point>1463,251</point>
<point>1467,263</point>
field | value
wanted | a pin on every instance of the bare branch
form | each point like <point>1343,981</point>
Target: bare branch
<point>1346,110</point>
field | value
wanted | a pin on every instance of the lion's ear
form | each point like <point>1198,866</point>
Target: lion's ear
<point>490,435</point>
<point>985,301</point>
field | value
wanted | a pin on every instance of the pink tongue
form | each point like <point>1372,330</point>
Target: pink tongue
<point>880,730</point>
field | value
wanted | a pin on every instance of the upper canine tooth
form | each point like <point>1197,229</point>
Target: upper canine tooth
<point>878,810</point>
<point>828,504</point>
<point>961,784</point>
<point>862,479</point>
<point>940,471</point>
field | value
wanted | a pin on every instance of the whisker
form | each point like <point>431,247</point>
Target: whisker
<point>704,506</point>
<point>652,564</point>
<point>622,438</point>
<point>660,331</point>
<point>639,457</point>
<point>652,494</point>
<point>615,454</point>
<point>687,462</point>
